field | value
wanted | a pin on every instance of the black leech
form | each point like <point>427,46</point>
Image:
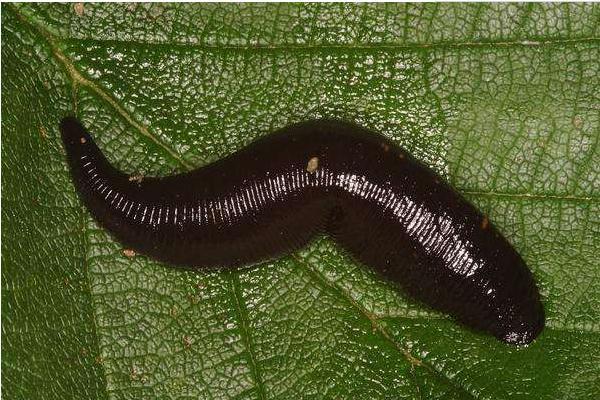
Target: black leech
<point>388,210</point>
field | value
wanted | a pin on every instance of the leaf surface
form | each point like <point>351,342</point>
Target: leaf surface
<point>502,99</point>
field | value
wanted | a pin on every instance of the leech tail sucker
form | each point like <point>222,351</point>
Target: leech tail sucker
<point>388,210</point>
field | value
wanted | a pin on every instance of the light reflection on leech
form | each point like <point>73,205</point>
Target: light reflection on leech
<point>437,237</point>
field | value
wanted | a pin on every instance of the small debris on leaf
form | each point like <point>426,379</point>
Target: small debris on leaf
<point>129,253</point>
<point>136,178</point>
<point>78,8</point>
<point>485,222</point>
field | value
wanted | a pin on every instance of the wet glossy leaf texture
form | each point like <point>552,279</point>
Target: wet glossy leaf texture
<point>502,99</point>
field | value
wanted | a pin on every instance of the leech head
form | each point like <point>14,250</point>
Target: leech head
<point>73,133</point>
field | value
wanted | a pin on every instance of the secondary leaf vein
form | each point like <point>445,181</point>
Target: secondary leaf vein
<point>375,322</point>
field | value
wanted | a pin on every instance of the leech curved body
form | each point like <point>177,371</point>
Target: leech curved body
<point>388,210</point>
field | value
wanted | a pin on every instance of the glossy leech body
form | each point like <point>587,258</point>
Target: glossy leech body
<point>389,211</point>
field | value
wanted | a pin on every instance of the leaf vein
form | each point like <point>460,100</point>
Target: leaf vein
<point>88,282</point>
<point>79,79</point>
<point>242,312</point>
<point>375,322</point>
<point>530,196</point>
<point>331,47</point>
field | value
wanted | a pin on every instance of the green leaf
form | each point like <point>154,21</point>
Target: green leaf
<point>503,99</point>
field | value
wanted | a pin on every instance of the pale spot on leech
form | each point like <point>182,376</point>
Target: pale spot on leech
<point>312,164</point>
